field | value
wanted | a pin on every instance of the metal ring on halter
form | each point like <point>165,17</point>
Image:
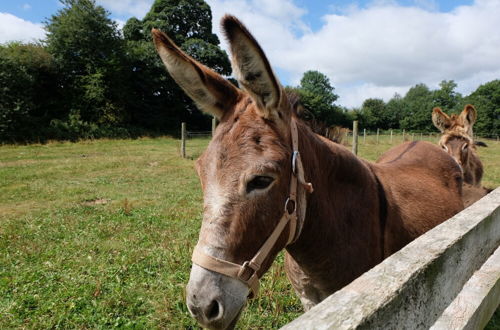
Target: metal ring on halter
<point>288,200</point>
<point>295,155</point>
<point>247,266</point>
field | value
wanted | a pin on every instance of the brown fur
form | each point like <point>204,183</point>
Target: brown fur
<point>457,140</point>
<point>359,212</point>
<point>472,194</point>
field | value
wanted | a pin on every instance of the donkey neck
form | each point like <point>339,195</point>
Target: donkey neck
<point>341,236</point>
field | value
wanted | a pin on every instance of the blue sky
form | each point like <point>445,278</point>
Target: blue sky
<point>369,48</point>
<point>37,11</point>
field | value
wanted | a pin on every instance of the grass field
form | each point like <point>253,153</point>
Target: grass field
<point>99,234</point>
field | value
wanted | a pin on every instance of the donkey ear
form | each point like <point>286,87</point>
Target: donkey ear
<point>468,117</point>
<point>441,120</point>
<point>252,68</point>
<point>211,92</point>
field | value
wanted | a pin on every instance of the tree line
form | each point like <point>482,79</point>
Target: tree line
<point>89,79</point>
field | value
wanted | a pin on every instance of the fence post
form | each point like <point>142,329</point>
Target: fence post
<point>378,132</point>
<point>403,135</point>
<point>214,124</point>
<point>413,136</point>
<point>355,137</point>
<point>364,135</point>
<point>421,135</point>
<point>183,140</point>
<point>391,135</point>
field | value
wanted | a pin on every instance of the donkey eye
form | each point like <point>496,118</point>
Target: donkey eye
<point>259,182</point>
<point>464,147</point>
<point>445,148</point>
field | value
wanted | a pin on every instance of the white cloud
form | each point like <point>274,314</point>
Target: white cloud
<point>26,6</point>
<point>137,8</point>
<point>120,23</point>
<point>379,49</point>
<point>13,28</point>
<point>274,23</point>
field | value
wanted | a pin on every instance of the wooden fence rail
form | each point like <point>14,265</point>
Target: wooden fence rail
<point>448,278</point>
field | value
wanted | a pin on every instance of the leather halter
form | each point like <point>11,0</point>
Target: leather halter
<point>247,272</point>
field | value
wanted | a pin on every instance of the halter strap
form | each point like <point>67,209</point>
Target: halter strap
<point>247,272</point>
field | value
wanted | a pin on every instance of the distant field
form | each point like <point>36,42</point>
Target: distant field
<point>99,234</point>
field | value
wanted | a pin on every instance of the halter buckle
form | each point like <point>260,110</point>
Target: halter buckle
<point>249,267</point>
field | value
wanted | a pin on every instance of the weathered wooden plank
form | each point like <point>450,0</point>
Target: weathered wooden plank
<point>412,288</point>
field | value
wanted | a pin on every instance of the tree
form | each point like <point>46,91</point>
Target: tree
<point>486,100</point>
<point>417,109</point>
<point>88,50</point>
<point>393,111</point>
<point>158,102</point>
<point>446,97</point>
<point>373,114</point>
<point>317,95</point>
<point>28,93</point>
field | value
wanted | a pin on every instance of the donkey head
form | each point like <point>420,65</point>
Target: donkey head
<point>457,132</point>
<point>462,123</point>
<point>457,146</point>
<point>244,172</point>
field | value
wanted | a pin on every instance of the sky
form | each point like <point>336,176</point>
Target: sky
<point>367,48</point>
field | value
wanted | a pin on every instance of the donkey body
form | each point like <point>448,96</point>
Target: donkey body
<point>358,214</point>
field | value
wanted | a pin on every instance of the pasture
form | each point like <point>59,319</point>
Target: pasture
<point>99,234</point>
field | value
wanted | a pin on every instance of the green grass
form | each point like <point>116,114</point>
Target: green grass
<point>99,234</point>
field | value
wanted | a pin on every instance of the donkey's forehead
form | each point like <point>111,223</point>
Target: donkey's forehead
<point>244,139</point>
<point>453,139</point>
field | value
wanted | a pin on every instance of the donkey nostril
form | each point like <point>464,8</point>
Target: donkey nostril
<point>213,310</point>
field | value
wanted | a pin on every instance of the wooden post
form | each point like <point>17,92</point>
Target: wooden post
<point>364,135</point>
<point>183,140</point>
<point>214,125</point>
<point>378,132</point>
<point>421,135</point>
<point>391,135</point>
<point>413,136</point>
<point>355,137</point>
<point>403,135</point>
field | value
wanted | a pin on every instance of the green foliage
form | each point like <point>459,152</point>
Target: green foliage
<point>393,111</point>
<point>82,38</point>
<point>446,97</point>
<point>89,53</point>
<point>28,91</point>
<point>158,102</point>
<point>372,113</point>
<point>319,85</point>
<point>87,79</point>
<point>411,112</point>
<point>417,107</point>
<point>486,99</point>
<point>181,20</point>
<point>317,95</point>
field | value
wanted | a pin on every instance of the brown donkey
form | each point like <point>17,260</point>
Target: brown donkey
<point>457,140</point>
<point>257,200</point>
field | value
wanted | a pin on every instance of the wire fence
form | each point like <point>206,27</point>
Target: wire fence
<point>364,136</point>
